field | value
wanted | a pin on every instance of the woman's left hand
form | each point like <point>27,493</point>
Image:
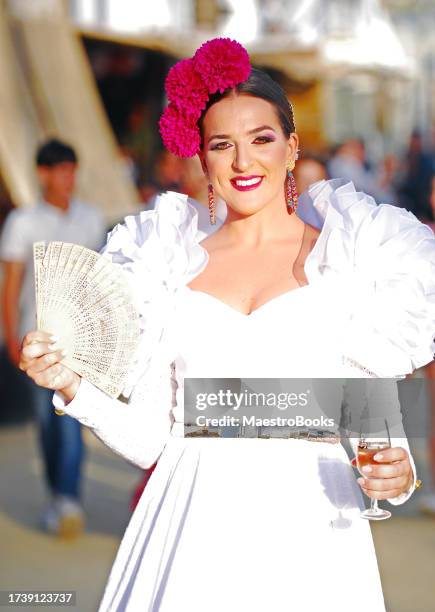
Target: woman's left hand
<point>391,476</point>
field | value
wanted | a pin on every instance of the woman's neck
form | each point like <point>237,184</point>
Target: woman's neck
<point>271,223</point>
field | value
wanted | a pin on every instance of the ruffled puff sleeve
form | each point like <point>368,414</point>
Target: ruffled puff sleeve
<point>382,260</point>
<point>159,252</point>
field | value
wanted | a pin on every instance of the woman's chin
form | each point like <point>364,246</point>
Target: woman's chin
<point>246,204</point>
<point>243,211</point>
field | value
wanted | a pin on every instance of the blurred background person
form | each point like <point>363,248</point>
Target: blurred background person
<point>168,172</point>
<point>417,172</point>
<point>388,176</point>
<point>349,162</point>
<point>57,216</point>
<point>166,175</point>
<point>171,173</point>
<point>138,138</point>
<point>307,171</point>
<point>429,217</point>
<point>194,181</point>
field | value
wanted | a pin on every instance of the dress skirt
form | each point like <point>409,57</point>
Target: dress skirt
<point>247,525</point>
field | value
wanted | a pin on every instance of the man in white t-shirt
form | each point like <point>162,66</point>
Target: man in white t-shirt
<point>58,216</point>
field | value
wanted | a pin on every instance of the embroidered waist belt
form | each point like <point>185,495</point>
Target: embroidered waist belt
<point>310,435</point>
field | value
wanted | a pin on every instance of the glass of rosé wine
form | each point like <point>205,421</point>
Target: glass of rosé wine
<point>374,437</point>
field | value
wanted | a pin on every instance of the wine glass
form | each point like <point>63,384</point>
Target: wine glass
<point>374,437</point>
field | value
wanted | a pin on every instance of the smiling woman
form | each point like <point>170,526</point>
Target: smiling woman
<point>257,115</point>
<point>253,154</point>
<point>259,524</point>
<point>247,166</point>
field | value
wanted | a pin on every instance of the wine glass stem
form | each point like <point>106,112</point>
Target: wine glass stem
<point>374,505</point>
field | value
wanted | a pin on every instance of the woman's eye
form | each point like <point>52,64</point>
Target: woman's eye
<point>220,146</point>
<point>263,139</point>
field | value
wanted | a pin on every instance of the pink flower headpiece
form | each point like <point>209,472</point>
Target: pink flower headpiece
<point>217,65</point>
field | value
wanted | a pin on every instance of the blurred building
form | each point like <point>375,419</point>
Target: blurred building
<point>341,62</point>
<point>48,89</point>
<point>415,24</point>
<point>92,71</point>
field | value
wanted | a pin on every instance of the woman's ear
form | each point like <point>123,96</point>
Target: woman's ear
<point>293,147</point>
<point>203,164</point>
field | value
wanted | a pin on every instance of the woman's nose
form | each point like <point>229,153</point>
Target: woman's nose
<point>242,159</point>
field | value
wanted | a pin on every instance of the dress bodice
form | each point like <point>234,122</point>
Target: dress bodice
<point>278,339</point>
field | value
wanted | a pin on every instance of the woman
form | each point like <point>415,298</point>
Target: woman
<point>251,524</point>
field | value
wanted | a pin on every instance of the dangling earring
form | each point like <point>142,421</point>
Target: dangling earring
<point>211,205</point>
<point>291,191</point>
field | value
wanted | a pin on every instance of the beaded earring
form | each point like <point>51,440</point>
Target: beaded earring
<point>291,190</point>
<point>211,205</point>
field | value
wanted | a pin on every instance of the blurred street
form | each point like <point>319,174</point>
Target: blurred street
<point>30,559</point>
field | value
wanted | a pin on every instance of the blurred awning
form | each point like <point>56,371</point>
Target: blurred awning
<point>329,58</point>
<point>371,44</point>
<point>47,89</point>
<point>299,62</point>
<point>20,129</point>
<point>306,39</point>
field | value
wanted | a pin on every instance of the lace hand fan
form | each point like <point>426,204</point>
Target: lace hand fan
<point>85,300</point>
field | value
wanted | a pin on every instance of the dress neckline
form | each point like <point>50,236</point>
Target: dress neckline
<point>253,312</point>
<point>271,300</point>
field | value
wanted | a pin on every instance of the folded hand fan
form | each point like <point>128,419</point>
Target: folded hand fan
<point>85,300</point>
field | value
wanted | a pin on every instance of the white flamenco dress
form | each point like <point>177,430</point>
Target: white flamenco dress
<point>252,524</point>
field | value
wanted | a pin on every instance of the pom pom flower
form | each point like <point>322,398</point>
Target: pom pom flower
<point>179,134</point>
<point>222,63</point>
<point>185,88</point>
<point>217,65</point>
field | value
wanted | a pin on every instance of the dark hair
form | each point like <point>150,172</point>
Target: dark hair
<point>260,85</point>
<point>53,152</point>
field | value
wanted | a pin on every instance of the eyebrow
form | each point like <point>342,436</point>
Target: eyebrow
<point>254,131</point>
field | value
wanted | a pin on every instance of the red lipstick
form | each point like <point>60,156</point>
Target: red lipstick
<point>246,183</point>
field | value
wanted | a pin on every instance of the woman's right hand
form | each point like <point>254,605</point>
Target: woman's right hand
<point>40,359</point>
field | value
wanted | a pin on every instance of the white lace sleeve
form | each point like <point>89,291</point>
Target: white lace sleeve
<point>159,252</point>
<point>380,398</point>
<point>137,430</point>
